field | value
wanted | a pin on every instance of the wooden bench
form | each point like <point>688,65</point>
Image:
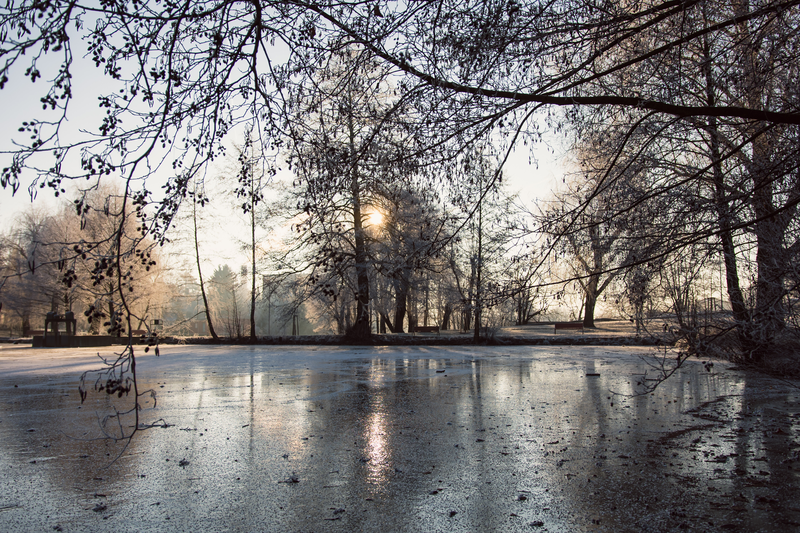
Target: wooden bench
<point>567,325</point>
<point>139,332</point>
<point>426,329</point>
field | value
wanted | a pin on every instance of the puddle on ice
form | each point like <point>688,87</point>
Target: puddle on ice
<point>401,439</point>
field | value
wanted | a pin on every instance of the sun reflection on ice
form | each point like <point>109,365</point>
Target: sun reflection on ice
<point>377,451</point>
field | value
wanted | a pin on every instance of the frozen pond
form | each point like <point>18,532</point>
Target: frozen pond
<point>400,439</point>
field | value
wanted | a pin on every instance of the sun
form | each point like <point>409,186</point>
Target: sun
<point>375,218</point>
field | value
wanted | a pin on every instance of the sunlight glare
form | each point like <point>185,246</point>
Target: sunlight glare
<point>375,218</point>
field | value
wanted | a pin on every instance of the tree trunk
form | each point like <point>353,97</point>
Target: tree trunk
<point>593,288</point>
<point>425,309</point>
<point>340,324</point>
<point>253,264</point>
<point>478,271</point>
<point>768,317</point>
<point>113,328</point>
<point>769,314</point>
<point>590,301</point>
<point>722,206</point>
<point>200,274</point>
<point>361,330</point>
<point>385,322</point>
<point>523,307</point>
<point>401,301</point>
<point>448,310</point>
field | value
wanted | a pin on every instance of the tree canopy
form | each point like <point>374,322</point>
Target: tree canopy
<point>180,75</point>
<point>703,91</point>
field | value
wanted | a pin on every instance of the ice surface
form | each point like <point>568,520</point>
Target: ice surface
<point>399,439</point>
